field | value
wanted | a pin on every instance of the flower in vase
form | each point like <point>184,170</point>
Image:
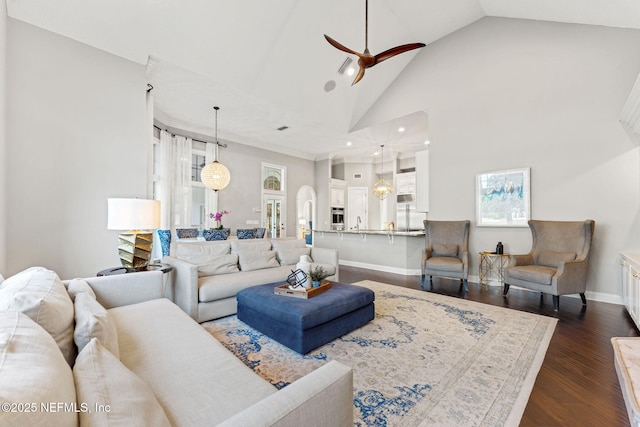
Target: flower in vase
<point>218,217</point>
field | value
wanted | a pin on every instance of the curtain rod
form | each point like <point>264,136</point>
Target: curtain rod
<point>196,140</point>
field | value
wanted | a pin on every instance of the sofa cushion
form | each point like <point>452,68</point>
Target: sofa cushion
<point>252,245</point>
<point>291,256</point>
<point>554,259</point>
<point>440,250</point>
<point>286,244</point>
<point>76,286</point>
<point>224,264</point>
<point>250,261</point>
<point>33,372</point>
<point>201,253</point>
<point>101,379</point>
<point>93,321</point>
<point>39,293</point>
<point>213,288</point>
<point>207,386</point>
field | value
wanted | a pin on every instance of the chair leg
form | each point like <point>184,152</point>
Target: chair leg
<point>505,289</point>
<point>465,282</point>
<point>556,302</point>
<point>584,298</point>
<point>422,281</point>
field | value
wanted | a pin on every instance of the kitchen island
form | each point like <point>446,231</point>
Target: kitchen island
<point>397,252</point>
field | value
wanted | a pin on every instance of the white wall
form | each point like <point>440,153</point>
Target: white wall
<point>76,136</point>
<point>506,93</point>
<point>3,139</point>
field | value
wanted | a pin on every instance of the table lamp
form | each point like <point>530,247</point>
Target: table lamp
<point>138,216</point>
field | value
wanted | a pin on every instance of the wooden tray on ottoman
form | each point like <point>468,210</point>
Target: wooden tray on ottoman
<point>301,292</point>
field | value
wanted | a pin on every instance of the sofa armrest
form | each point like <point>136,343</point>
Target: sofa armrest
<point>126,289</point>
<point>327,256</point>
<point>185,285</point>
<point>323,398</point>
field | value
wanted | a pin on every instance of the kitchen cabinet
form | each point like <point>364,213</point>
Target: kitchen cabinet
<point>406,183</point>
<point>630,276</point>
<point>337,197</point>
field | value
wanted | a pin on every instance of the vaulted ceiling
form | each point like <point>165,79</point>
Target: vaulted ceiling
<point>267,64</point>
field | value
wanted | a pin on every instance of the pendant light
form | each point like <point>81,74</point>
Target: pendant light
<point>382,188</point>
<point>215,175</point>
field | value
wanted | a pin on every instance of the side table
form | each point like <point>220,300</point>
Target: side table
<point>492,266</point>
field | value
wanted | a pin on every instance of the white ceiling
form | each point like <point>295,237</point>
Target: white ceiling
<point>266,63</point>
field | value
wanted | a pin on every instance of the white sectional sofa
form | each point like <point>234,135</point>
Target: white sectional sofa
<point>140,361</point>
<point>208,275</point>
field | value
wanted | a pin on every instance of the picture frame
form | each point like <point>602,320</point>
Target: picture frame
<point>503,198</point>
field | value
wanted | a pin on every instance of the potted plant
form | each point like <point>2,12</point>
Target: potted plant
<point>318,274</point>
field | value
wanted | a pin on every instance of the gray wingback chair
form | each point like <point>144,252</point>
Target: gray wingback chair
<point>446,252</point>
<point>558,261</point>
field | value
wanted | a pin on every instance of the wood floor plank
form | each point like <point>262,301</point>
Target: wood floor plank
<point>577,384</point>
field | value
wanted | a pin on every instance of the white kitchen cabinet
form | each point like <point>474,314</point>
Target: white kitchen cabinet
<point>406,183</point>
<point>630,276</point>
<point>337,197</point>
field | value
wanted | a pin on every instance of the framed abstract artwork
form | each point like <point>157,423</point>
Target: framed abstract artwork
<point>503,198</point>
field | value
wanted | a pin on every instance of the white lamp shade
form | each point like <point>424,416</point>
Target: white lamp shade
<point>133,214</point>
<point>215,176</point>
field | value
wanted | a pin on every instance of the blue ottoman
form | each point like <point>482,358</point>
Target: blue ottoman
<point>305,324</point>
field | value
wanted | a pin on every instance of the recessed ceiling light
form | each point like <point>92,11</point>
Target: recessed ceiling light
<point>377,153</point>
<point>349,143</point>
<point>401,129</point>
<point>427,142</point>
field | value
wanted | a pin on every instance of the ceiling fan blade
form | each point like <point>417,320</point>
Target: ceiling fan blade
<point>337,45</point>
<point>359,76</point>
<point>397,50</point>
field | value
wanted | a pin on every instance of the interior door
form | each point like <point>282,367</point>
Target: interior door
<point>273,215</point>
<point>357,207</point>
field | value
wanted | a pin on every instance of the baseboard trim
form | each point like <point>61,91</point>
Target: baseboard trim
<point>383,268</point>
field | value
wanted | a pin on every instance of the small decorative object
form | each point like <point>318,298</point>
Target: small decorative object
<point>297,279</point>
<point>499,248</point>
<point>218,217</point>
<point>318,274</point>
<point>305,266</point>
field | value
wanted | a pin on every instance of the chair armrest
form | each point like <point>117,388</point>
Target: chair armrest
<point>571,276</point>
<point>327,256</point>
<point>126,289</point>
<point>323,398</point>
<point>526,259</point>
<point>185,285</point>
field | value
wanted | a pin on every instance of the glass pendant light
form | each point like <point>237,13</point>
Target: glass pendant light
<point>382,188</point>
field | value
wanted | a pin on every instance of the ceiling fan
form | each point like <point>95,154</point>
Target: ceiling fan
<point>365,59</point>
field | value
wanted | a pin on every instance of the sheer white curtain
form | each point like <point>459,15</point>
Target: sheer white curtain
<point>174,186</point>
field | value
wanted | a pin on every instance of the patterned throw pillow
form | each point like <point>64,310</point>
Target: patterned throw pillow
<point>260,232</point>
<point>187,233</point>
<point>246,233</point>
<point>215,235</point>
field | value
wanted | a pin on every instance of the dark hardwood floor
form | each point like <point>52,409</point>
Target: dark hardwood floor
<point>577,384</point>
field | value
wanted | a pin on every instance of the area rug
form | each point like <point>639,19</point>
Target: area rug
<point>425,360</point>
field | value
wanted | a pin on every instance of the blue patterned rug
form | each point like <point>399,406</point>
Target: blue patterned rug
<point>425,360</point>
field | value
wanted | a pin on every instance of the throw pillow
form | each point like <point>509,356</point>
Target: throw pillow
<point>33,372</point>
<point>101,379</point>
<point>39,293</point>
<point>450,250</point>
<point>291,256</point>
<point>200,253</point>
<point>246,233</point>
<point>94,321</point>
<point>554,259</point>
<point>76,286</point>
<point>252,260</point>
<point>224,264</point>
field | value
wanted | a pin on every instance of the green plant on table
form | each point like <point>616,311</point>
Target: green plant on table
<point>318,273</point>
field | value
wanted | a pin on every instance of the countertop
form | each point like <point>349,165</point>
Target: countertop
<point>412,233</point>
